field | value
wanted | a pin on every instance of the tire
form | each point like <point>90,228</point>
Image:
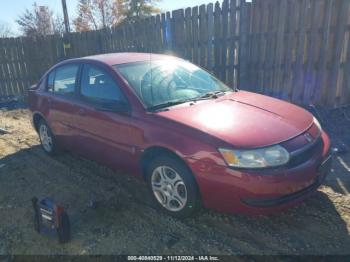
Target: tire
<point>48,141</point>
<point>64,230</point>
<point>173,187</point>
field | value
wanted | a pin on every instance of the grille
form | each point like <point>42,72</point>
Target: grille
<point>301,156</point>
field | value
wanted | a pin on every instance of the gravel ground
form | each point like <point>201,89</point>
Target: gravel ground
<point>111,213</point>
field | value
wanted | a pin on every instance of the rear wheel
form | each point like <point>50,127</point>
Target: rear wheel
<point>173,187</point>
<point>47,138</point>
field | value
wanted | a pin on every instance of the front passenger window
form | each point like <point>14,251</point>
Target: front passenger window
<point>98,86</point>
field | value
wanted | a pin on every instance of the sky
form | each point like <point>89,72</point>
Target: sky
<point>10,10</point>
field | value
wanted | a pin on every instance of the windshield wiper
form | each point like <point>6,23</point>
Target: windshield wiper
<point>168,104</point>
<point>210,95</point>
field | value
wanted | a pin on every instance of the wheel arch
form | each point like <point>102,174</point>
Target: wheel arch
<point>36,120</point>
<point>154,151</point>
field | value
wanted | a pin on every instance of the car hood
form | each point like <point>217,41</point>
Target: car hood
<point>243,119</point>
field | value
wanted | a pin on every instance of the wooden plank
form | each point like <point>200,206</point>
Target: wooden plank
<point>322,71</point>
<point>277,87</point>
<point>298,72</point>
<point>188,33</point>
<point>178,18</point>
<point>217,39</point>
<point>291,43</point>
<point>2,73</point>
<point>117,39</point>
<point>8,69</point>
<point>224,40</point>
<point>148,22</point>
<point>24,68</point>
<point>210,22</point>
<point>332,93</point>
<point>245,13</point>
<point>86,45</point>
<point>266,63</point>
<point>173,33</point>
<point>261,48</point>
<point>8,73</point>
<point>345,92</point>
<point>272,48</point>
<point>164,32</point>
<point>158,39</point>
<point>312,51</point>
<point>154,34</point>
<point>27,53</point>
<point>254,38</point>
<point>232,74</point>
<point>202,36</point>
<point>122,33</point>
<point>195,34</point>
<point>12,67</point>
<point>18,58</point>
<point>169,32</point>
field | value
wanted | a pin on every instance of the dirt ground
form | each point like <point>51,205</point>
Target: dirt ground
<point>111,213</point>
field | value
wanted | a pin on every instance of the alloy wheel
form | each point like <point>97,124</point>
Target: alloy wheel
<point>45,137</point>
<point>169,188</point>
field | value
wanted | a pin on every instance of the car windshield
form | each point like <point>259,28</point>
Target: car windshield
<point>163,83</point>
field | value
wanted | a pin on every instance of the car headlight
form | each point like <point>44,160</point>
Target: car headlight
<point>256,158</point>
<point>317,123</point>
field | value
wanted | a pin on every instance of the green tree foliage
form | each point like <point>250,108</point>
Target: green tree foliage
<point>136,9</point>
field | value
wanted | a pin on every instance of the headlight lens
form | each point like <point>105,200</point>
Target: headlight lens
<point>317,123</point>
<point>256,158</point>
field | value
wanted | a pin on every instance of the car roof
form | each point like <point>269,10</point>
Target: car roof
<point>123,58</point>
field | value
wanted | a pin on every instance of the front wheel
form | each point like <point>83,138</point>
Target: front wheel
<point>173,187</point>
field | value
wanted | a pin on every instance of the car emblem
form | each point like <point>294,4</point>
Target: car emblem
<point>308,137</point>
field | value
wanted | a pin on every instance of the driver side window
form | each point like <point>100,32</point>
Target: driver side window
<point>98,86</point>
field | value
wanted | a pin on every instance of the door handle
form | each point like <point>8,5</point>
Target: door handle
<point>81,112</point>
<point>49,101</point>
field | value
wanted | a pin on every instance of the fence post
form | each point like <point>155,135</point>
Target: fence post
<point>210,19</point>
<point>244,25</point>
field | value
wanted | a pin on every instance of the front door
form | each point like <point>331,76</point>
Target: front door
<point>106,134</point>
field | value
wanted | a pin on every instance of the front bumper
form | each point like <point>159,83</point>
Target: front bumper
<point>261,192</point>
<point>323,171</point>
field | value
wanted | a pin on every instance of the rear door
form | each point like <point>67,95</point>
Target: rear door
<point>62,96</point>
<point>105,130</point>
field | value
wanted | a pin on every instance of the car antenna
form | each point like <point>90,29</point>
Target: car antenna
<point>150,60</point>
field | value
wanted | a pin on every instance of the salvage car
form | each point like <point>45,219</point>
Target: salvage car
<point>192,139</point>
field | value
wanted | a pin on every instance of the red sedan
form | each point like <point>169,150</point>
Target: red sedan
<point>189,136</point>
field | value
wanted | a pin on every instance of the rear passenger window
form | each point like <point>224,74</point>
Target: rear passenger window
<point>65,79</point>
<point>51,81</point>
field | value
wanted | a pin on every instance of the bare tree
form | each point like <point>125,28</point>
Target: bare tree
<point>39,21</point>
<point>97,14</point>
<point>5,30</point>
<point>58,25</point>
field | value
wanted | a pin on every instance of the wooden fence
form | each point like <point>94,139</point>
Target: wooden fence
<point>296,50</point>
